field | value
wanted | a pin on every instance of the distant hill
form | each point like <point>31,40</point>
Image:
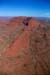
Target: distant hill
<point>5,18</point>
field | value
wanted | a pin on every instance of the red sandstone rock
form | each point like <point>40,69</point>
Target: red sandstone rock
<point>25,49</point>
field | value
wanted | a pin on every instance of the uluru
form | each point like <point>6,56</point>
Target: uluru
<point>24,46</point>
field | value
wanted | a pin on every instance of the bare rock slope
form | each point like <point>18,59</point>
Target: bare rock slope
<point>24,47</point>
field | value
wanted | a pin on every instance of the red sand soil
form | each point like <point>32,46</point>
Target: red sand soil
<point>24,49</point>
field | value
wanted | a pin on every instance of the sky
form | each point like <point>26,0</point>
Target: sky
<point>33,8</point>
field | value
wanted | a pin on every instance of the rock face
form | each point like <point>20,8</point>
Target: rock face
<point>24,47</point>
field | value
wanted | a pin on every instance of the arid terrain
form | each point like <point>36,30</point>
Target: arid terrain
<point>24,46</point>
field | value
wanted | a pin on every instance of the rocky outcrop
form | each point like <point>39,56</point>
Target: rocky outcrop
<point>26,49</point>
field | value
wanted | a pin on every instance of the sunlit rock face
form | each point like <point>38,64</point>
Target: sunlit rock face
<point>24,47</point>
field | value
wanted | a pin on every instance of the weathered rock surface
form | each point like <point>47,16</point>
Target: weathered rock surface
<point>24,47</point>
